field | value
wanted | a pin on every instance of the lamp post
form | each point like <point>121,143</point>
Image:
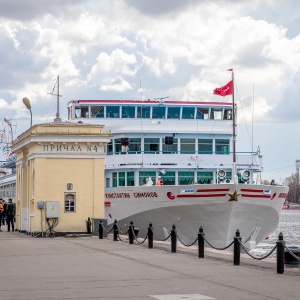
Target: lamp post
<point>8,122</point>
<point>27,104</point>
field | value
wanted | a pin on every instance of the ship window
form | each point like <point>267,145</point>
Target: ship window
<point>130,178</point>
<point>222,146</point>
<point>69,202</point>
<point>170,148</point>
<point>109,148</point>
<point>205,146</point>
<point>204,177</point>
<point>128,111</point>
<point>168,178</point>
<point>188,112</point>
<point>112,111</point>
<point>151,145</point>
<point>144,177</point>
<point>202,113</point>
<point>173,113</point>
<point>187,146</point>
<point>97,111</point>
<point>121,178</point>
<point>228,114</point>
<point>143,111</point>
<point>117,146</point>
<point>216,113</point>
<point>81,111</point>
<point>158,112</point>
<point>185,178</point>
<point>115,179</point>
<point>134,146</point>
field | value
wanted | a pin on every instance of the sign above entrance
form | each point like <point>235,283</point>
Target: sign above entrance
<point>71,148</point>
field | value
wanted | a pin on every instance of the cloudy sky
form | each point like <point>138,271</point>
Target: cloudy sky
<point>128,49</point>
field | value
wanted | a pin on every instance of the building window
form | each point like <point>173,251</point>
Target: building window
<point>109,148</point>
<point>222,146</point>
<point>70,202</point>
<point>187,146</point>
<point>205,146</point>
<point>216,113</point>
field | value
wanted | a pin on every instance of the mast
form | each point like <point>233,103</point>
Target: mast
<point>234,171</point>
<point>233,120</point>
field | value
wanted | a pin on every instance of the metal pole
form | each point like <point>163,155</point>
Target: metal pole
<point>100,230</point>
<point>280,254</point>
<point>201,243</point>
<point>237,249</point>
<point>173,239</point>
<point>150,236</point>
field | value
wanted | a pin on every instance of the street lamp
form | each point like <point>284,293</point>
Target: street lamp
<point>8,122</point>
<point>27,104</point>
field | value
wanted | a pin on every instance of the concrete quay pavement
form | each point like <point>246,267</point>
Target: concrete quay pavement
<point>89,268</point>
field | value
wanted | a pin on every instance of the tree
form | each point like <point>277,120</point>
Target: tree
<point>293,183</point>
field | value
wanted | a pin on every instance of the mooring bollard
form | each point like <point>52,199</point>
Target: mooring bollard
<point>173,239</point>
<point>131,232</point>
<point>201,235</point>
<point>150,236</point>
<point>280,254</point>
<point>116,231</point>
<point>101,230</point>
<point>88,225</point>
<point>237,248</point>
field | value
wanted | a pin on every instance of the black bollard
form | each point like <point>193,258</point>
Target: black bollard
<point>150,236</point>
<point>88,225</point>
<point>201,235</point>
<point>131,232</point>
<point>100,230</point>
<point>237,249</point>
<point>280,254</point>
<point>173,239</point>
<point>116,231</point>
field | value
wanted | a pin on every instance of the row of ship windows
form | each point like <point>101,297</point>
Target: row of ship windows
<point>151,112</point>
<point>168,145</point>
<point>169,178</point>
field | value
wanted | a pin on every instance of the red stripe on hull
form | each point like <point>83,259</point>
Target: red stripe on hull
<point>252,191</point>
<point>256,196</point>
<point>200,196</point>
<point>212,190</point>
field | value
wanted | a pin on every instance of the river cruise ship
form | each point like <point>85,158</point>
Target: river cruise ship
<point>174,162</point>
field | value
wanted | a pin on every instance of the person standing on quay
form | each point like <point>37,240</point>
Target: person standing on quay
<point>1,212</point>
<point>10,214</point>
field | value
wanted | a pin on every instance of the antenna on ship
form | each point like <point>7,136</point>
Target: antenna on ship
<point>57,118</point>
<point>161,99</point>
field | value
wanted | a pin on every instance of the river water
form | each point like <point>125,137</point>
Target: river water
<point>289,225</point>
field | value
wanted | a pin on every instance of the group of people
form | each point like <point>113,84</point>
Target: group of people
<point>7,214</point>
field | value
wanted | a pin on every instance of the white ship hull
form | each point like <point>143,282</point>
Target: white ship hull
<point>255,214</point>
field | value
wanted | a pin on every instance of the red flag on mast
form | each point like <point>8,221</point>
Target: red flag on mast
<point>224,90</point>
